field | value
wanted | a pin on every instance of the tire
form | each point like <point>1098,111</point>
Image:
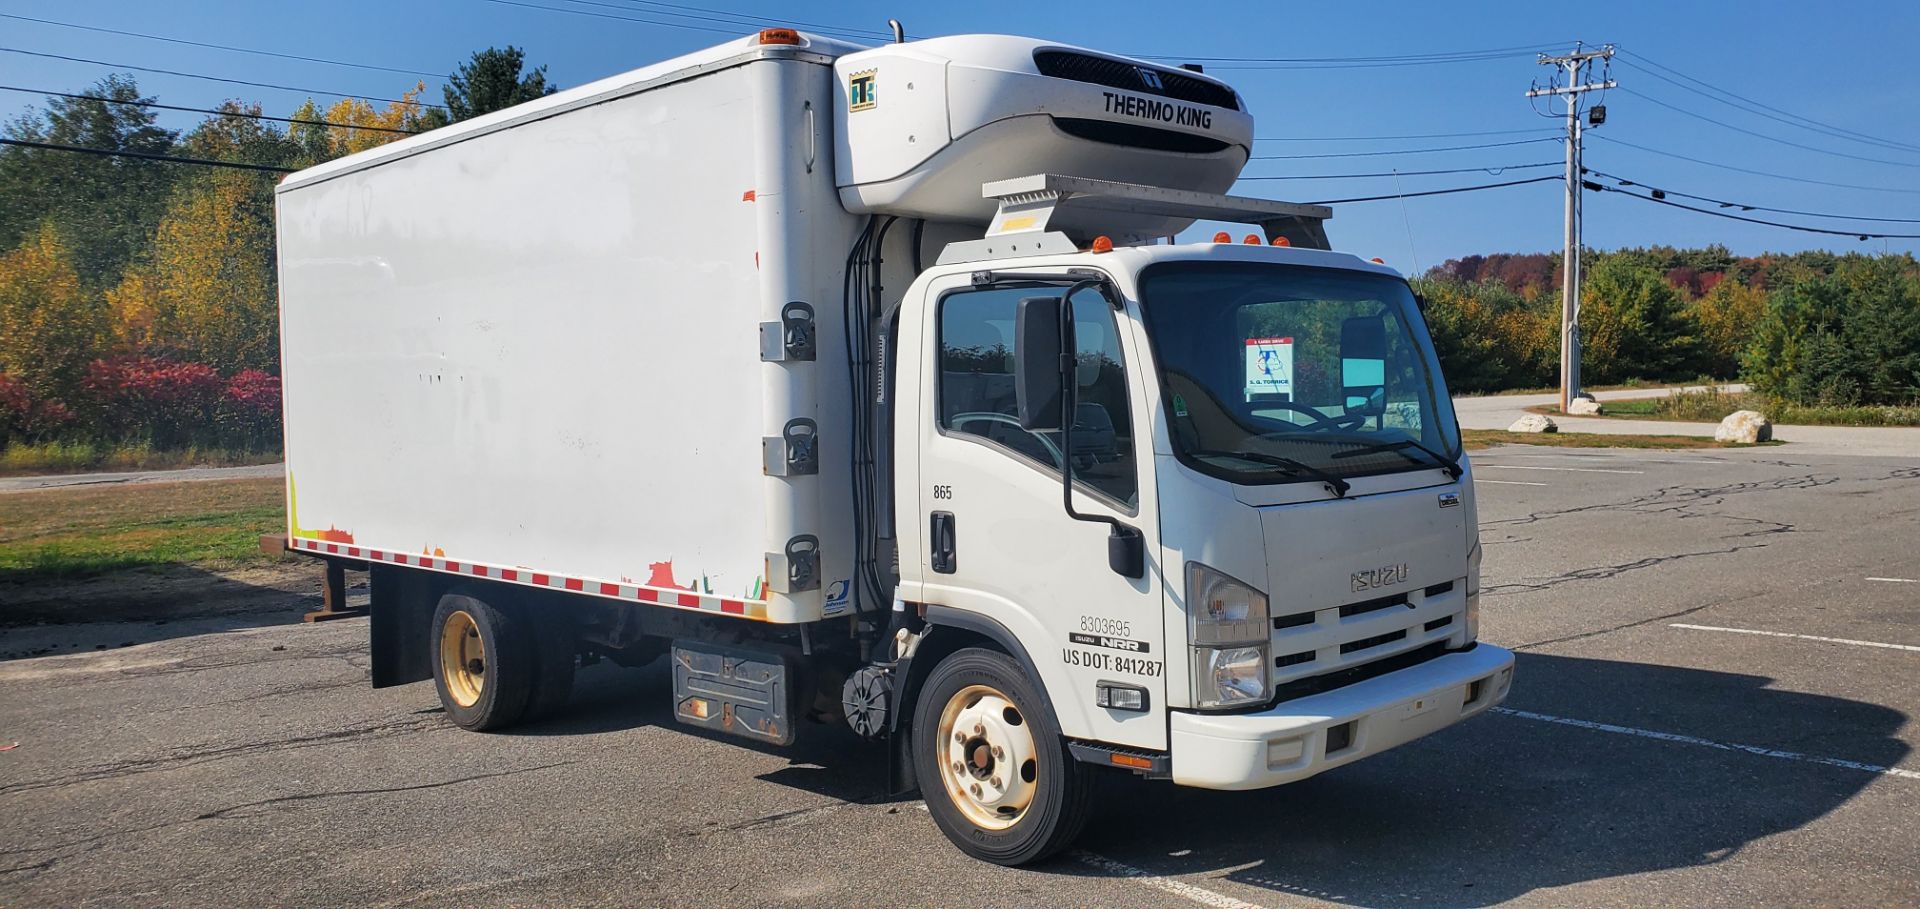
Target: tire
<point>492,692</point>
<point>992,764</point>
<point>555,647</point>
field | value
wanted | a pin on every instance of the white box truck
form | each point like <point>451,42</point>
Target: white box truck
<point>863,385</point>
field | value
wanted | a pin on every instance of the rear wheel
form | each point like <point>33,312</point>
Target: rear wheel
<point>993,767</point>
<point>483,662</point>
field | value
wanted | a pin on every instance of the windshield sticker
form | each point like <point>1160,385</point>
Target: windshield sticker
<point>1269,368</point>
<point>1179,405</point>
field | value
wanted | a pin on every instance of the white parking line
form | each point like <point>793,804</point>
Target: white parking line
<point>1568,469</point>
<point>1199,895</point>
<point>1897,580</point>
<point>1708,743</point>
<point>1803,637</point>
<point>1511,482</point>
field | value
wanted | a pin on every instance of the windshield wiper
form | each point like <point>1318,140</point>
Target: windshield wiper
<point>1399,446</point>
<point>1335,485</point>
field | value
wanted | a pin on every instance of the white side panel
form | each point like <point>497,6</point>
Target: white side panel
<point>538,348</point>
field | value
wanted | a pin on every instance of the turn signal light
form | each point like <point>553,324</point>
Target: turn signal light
<point>1223,237</point>
<point>1102,244</point>
<point>1282,241</point>
<point>779,36</point>
<point>1253,239</point>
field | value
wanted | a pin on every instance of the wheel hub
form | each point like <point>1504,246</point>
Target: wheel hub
<point>463,658</point>
<point>988,760</point>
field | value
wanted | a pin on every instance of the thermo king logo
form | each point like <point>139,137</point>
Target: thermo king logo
<point>860,90</point>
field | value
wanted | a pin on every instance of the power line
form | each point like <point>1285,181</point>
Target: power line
<point>169,72</point>
<point>1369,62</point>
<point>830,32</point>
<point>1757,173</point>
<point>1596,187</point>
<point>1791,118</point>
<point>1744,206</point>
<point>756,21</point>
<point>1403,151</point>
<point>207,110</point>
<point>224,47</point>
<point>1496,171</point>
<point>1788,142</point>
<point>1436,192</point>
<point>146,156</point>
<point>1484,132</point>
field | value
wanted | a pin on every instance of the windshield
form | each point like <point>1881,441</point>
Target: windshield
<point>1290,373</point>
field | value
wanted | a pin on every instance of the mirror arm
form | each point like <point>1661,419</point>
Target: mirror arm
<point>1126,550</point>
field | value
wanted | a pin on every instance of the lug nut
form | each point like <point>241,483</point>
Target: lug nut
<point>997,753</point>
<point>996,782</point>
<point>976,790</point>
<point>960,738</point>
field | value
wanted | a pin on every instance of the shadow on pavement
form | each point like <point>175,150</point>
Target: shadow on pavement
<point>41,616</point>
<point>1503,806</point>
<point>826,760</point>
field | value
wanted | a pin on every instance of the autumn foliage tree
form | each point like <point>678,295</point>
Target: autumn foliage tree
<point>49,324</point>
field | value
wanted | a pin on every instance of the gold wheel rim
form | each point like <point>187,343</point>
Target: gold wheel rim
<point>463,659</point>
<point>989,764</point>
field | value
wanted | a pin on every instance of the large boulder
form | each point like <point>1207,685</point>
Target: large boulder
<point>1584,406</point>
<point>1745,426</point>
<point>1533,422</point>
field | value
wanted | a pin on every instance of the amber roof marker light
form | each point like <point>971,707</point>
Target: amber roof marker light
<point>779,36</point>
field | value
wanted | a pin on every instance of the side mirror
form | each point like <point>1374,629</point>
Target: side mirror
<point>1363,365</point>
<point>1037,375</point>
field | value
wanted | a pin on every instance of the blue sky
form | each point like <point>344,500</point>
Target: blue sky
<point>1844,64</point>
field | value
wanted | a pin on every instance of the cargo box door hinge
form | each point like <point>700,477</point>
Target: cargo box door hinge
<point>794,452</point>
<point>798,567</point>
<point>791,338</point>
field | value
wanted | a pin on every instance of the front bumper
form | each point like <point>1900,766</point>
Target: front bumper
<point>1290,742</point>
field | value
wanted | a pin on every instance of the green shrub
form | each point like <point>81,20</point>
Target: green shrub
<point>1846,339</point>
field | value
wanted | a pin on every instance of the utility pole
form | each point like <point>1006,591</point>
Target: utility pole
<point>1577,65</point>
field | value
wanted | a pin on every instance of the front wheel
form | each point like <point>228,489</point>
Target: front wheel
<point>1007,789</point>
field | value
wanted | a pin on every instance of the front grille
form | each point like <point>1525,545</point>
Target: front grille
<point>1329,643</point>
<point>1366,606</point>
<point>1375,641</point>
<point>1293,659</point>
<point>1293,621</point>
<point>1133,136</point>
<point>1315,684</point>
<point>1079,67</point>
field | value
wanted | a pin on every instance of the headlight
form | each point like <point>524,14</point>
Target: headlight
<point>1227,624</point>
<point>1222,610</point>
<point>1472,617</point>
<point>1229,676</point>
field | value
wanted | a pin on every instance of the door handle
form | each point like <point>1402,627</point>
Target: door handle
<point>940,534</point>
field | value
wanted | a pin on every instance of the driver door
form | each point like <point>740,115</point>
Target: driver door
<point>995,539</point>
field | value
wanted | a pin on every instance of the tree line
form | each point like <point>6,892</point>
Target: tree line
<point>138,298</point>
<point>1810,328</point>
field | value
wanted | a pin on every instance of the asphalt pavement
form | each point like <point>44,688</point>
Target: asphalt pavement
<point>1719,656</point>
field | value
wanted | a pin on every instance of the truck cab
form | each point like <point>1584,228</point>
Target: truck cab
<point>1266,563</point>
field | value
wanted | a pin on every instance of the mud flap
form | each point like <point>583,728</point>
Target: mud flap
<point>748,693</point>
<point>402,611</point>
